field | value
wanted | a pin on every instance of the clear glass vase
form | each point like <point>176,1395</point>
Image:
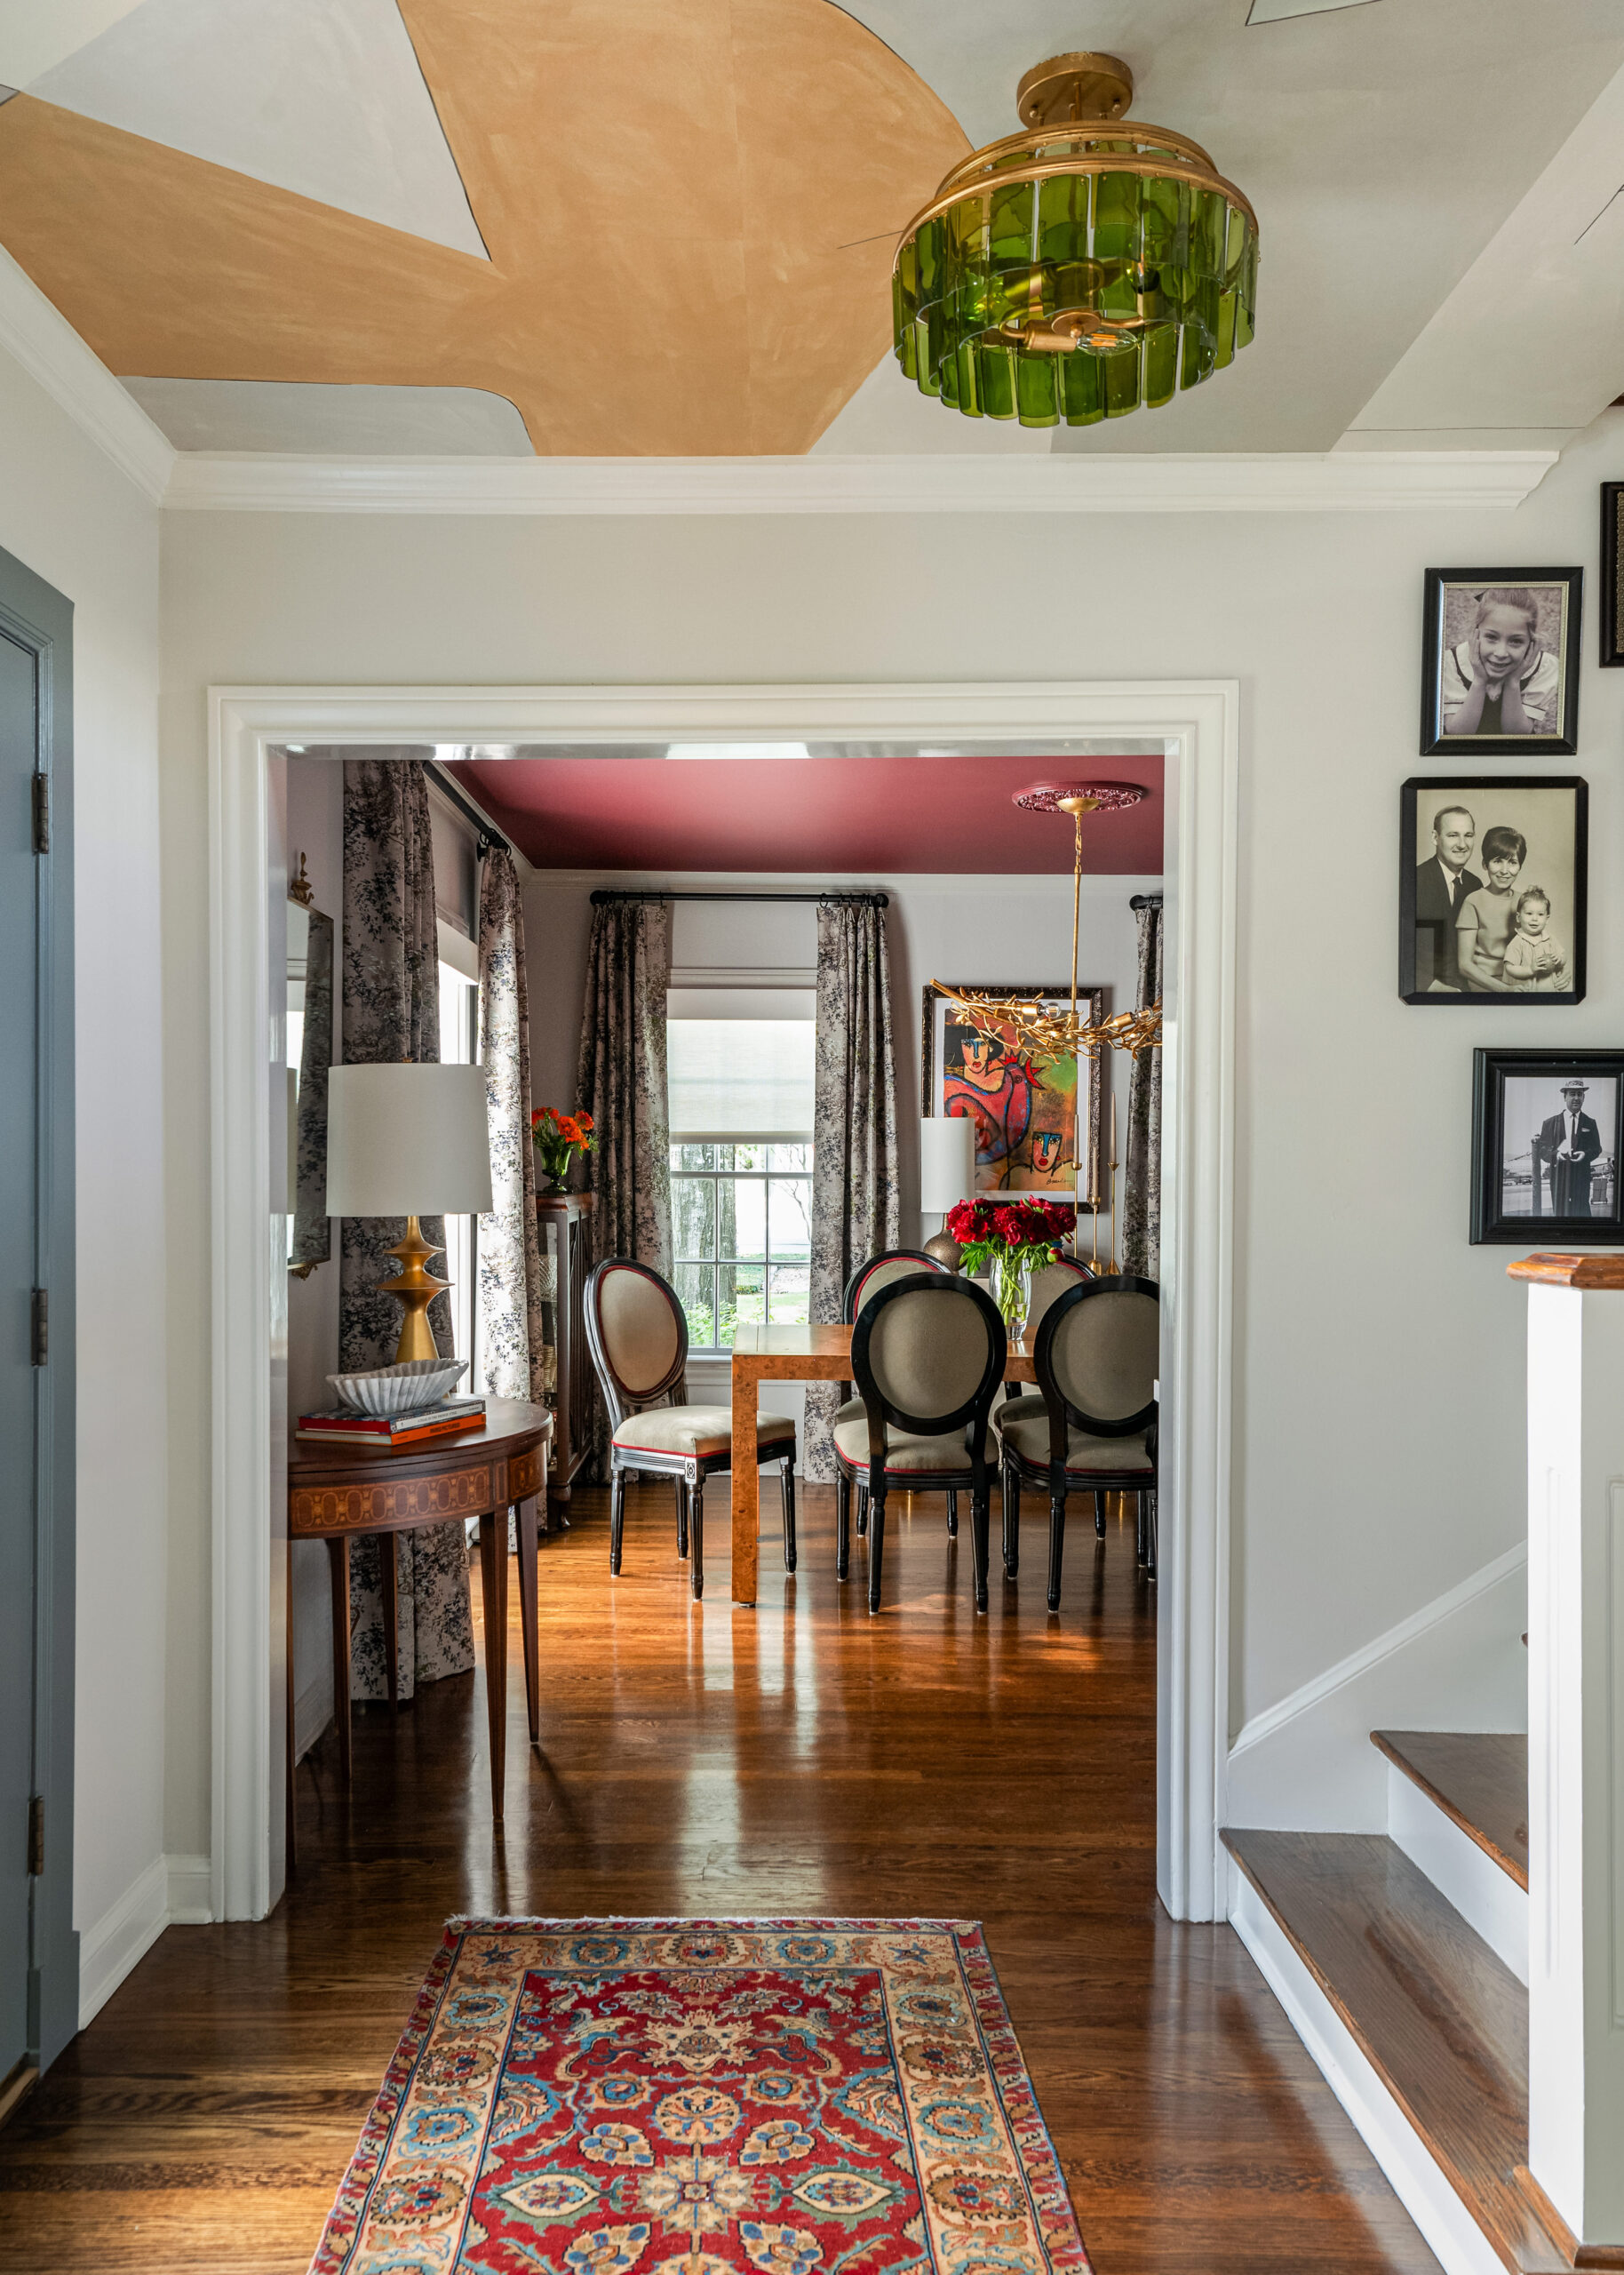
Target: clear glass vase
<point>1012,1288</point>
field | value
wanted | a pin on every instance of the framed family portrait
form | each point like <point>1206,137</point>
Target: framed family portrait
<point>1499,661</point>
<point>1545,1146</point>
<point>1612,608</point>
<point>1029,1136</point>
<point>1492,888</point>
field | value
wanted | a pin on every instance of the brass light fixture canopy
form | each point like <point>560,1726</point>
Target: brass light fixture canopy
<point>1068,88</point>
<point>1078,269</point>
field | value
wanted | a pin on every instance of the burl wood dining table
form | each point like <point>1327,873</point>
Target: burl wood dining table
<point>789,1354</point>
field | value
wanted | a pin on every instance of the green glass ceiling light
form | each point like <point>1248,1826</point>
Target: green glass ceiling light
<point>1080,268</point>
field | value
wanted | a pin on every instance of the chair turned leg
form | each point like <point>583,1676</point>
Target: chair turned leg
<point>681,1517</point>
<point>695,1533</point>
<point>1057,1541</point>
<point>1099,1515</point>
<point>981,1549</point>
<point>876,1547</point>
<point>1011,1518</point>
<point>842,1525</point>
<point>863,1512</point>
<point>952,1513</point>
<point>618,1519</point>
<point>786,1486</point>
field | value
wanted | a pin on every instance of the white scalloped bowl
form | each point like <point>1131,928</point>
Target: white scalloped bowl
<point>405,1389</point>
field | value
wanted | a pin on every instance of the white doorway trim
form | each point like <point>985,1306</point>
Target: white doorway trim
<point>1198,723</point>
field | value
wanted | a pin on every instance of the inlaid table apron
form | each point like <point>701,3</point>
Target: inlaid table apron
<point>336,1492</point>
<point>791,1355</point>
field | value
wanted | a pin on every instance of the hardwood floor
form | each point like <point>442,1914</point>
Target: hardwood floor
<point>804,1760</point>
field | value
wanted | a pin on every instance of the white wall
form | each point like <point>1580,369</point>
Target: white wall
<point>1379,1393</point>
<point>77,522</point>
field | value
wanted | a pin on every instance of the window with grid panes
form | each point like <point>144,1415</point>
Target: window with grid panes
<point>740,1103</point>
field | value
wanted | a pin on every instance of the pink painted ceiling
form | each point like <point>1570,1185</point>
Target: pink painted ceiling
<point>842,815</point>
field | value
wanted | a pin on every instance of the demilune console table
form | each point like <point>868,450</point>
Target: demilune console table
<point>335,1492</point>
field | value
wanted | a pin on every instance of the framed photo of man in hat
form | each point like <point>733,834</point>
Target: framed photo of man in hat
<point>1545,1146</point>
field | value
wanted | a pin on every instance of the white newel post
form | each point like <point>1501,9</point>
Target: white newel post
<point>1576,1739</point>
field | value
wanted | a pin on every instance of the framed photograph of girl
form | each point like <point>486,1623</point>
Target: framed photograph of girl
<point>1500,668</point>
<point>1545,1148</point>
<point>1491,880</point>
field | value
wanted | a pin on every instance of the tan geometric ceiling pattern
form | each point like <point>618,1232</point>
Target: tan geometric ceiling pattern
<point>690,208</point>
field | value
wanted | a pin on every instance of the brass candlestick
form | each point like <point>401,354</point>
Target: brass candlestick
<point>416,1289</point>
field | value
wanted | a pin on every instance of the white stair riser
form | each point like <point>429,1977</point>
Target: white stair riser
<point>1487,1898</point>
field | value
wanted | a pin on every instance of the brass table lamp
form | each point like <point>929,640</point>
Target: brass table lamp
<point>408,1141</point>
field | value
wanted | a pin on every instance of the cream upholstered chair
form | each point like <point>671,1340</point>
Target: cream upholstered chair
<point>637,1333</point>
<point>1093,1428</point>
<point>867,1280</point>
<point>928,1352</point>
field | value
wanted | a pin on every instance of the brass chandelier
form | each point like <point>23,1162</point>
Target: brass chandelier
<point>1050,1035</point>
<point>1080,268</point>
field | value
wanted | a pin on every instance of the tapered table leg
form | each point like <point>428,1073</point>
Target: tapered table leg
<point>526,1521</point>
<point>746,1482</point>
<point>389,1588</point>
<point>493,1591</point>
<point>338,1559</point>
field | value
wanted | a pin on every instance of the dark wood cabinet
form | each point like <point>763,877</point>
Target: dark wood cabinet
<point>563,1230</point>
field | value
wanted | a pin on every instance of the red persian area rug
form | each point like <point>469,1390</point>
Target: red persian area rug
<point>697,2096</point>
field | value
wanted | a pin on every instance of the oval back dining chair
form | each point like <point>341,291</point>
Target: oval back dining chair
<point>1096,1358</point>
<point>928,1352</point>
<point>866,1281</point>
<point>637,1332</point>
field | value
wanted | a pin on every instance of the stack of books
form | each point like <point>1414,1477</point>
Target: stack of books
<point>344,1425</point>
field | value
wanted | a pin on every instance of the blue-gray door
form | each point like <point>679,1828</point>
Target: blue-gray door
<point>18,1247</point>
<point>39,1949</point>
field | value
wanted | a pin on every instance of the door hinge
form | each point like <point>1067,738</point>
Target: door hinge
<point>36,1836</point>
<point>40,1327</point>
<point>42,813</point>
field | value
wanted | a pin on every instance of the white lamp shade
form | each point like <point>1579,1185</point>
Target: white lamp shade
<point>947,1162</point>
<point>407,1141</point>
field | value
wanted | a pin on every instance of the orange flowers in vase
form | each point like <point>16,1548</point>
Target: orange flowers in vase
<point>557,1138</point>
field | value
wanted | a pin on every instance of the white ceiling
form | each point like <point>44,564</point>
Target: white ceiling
<point>1424,176</point>
<point>322,97</point>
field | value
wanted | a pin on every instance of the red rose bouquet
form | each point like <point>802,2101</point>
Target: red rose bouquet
<point>1014,1236</point>
<point>557,1138</point>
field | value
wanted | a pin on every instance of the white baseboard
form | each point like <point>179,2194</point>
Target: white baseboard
<point>189,1889</point>
<point>1306,1763</point>
<point>121,1937</point>
<point>1447,2227</point>
<point>1488,1899</point>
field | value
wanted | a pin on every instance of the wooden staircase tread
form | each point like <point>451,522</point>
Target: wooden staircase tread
<point>1478,1779</point>
<point>1442,2021</point>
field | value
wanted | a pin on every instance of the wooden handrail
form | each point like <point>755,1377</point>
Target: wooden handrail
<point>1605,1271</point>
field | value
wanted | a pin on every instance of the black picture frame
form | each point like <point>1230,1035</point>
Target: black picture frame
<point>1611,608</point>
<point>1564,742</point>
<point>1494,1169</point>
<point>1424,977</point>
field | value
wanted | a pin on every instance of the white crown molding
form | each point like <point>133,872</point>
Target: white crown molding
<point>1230,482</point>
<point>52,353</point>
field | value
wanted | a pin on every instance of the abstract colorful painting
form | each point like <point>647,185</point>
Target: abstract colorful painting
<point>1026,1110</point>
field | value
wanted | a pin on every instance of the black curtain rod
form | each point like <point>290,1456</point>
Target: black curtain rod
<point>449,788</point>
<point>854,899</point>
<point>1146,900</point>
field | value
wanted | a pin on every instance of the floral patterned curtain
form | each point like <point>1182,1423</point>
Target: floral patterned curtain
<point>857,1205</point>
<point>392,1013</point>
<point>621,1081</point>
<point>1141,1197</point>
<point>510,1330</point>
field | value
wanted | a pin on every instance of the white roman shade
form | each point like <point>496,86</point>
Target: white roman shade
<point>732,1077</point>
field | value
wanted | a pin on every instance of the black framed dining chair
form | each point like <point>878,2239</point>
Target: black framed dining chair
<point>928,1352</point>
<point>879,1272</point>
<point>637,1333</point>
<point>1092,1427</point>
